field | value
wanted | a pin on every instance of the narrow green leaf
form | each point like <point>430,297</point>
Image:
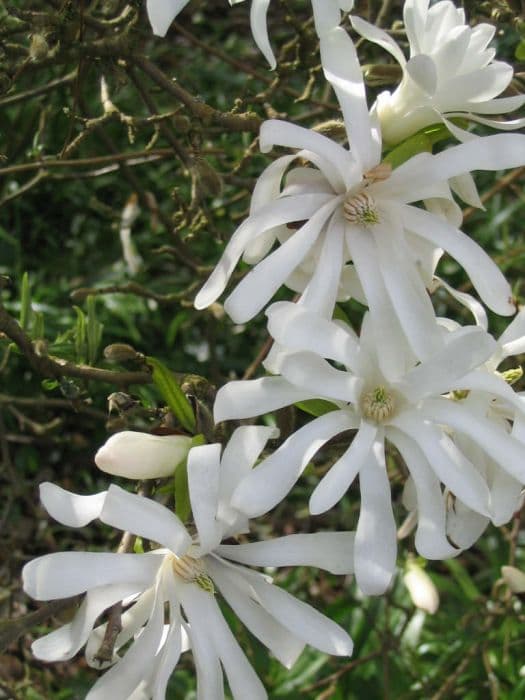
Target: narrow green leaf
<point>80,335</point>
<point>520,51</point>
<point>316,407</point>
<point>49,384</point>
<point>420,142</point>
<point>172,393</point>
<point>93,331</point>
<point>37,330</point>
<point>25,302</point>
<point>182,492</point>
<point>463,578</point>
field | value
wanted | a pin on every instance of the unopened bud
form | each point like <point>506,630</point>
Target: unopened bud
<point>38,48</point>
<point>514,578</point>
<point>120,352</point>
<point>423,592</point>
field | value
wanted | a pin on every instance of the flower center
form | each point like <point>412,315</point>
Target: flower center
<point>378,405</point>
<point>192,570</point>
<point>360,209</point>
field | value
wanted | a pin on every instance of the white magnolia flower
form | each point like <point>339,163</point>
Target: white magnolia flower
<point>464,526</point>
<point>138,455</point>
<point>450,72</point>
<point>415,409</point>
<point>161,14</point>
<point>184,572</point>
<point>351,207</point>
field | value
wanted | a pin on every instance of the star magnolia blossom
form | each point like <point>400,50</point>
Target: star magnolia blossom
<point>464,526</point>
<point>450,72</point>
<point>352,207</point>
<point>184,572</point>
<point>161,14</point>
<point>415,411</point>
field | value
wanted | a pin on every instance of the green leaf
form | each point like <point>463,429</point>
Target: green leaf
<point>520,51</point>
<point>37,330</point>
<point>463,578</point>
<point>166,383</point>
<point>420,142</point>
<point>182,492</point>
<point>316,407</point>
<point>93,331</point>
<point>50,384</point>
<point>25,302</point>
<point>80,335</point>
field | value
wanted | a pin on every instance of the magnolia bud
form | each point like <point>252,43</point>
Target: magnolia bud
<point>137,455</point>
<point>514,578</point>
<point>422,590</point>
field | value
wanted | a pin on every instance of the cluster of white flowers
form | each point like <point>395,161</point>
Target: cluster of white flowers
<point>330,222</point>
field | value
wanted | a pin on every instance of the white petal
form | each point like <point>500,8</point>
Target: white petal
<point>505,450</point>
<point>513,337</point>
<point>203,482</point>
<point>322,290</point>
<point>281,211</point>
<point>124,678</point>
<point>161,14</point>
<point>169,658</point>
<point>332,551</point>
<point>378,36</point>
<point>332,159</point>
<point>341,475</point>
<point>468,301</point>
<point>240,454</point>
<point>237,593</point>
<point>137,455</point>
<point>205,617</point>
<point>327,15</point>
<point>309,371</point>
<point>298,328</point>
<point>464,526</point>
<point>486,277</point>
<point>466,349</point>
<point>383,316</point>
<point>62,644</point>
<point>146,518</point>
<point>70,508</point>
<point>405,287</point>
<point>375,538</point>
<point>259,285</point>
<point>243,399</point>
<point>450,465</point>
<point>341,68</point>
<point>302,620</point>
<point>258,12</point>
<point>423,72</point>
<point>65,574</point>
<point>269,483</point>
<point>431,541</point>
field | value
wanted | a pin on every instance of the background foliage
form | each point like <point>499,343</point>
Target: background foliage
<point>96,113</point>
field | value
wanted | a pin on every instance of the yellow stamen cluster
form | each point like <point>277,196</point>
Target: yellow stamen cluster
<point>378,405</point>
<point>192,570</point>
<point>360,209</point>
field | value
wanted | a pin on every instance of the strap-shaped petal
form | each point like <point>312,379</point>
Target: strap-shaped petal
<point>65,574</point>
<point>70,508</point>
<point>269,483</point>
<point>309,371</point>
<point>161,14</point>
<point>258,12</point>
<point>331,551</point>
<point>146,518</point>
<point>375,538</point>
<point>341,475</point>
<point>244,399</point>
<point>431,540</point>
<point>203,481</point>
<point>238,594</point>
